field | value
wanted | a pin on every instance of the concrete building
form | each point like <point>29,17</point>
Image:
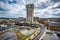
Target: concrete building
<point>53,25</point>
<point>29,11</point>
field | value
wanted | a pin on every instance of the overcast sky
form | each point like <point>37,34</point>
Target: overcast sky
<point>42,8</point>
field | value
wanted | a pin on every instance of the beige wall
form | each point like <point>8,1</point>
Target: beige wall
<point>29,11</point>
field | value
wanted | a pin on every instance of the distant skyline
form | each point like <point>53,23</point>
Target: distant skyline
<point>42,8</point>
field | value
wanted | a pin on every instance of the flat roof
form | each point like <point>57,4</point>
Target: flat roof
<point>53,23</point>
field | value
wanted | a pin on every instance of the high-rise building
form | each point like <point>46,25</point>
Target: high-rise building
<point>29,11</point>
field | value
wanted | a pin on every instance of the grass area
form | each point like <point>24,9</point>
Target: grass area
<point>49,33</point>
<point>21,36</point>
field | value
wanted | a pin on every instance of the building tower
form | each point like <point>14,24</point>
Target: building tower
<point>29,11</point>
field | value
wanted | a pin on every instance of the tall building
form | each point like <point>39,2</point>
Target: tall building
<point>29,11</point>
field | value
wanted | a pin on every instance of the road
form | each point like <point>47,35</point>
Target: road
<point>41,34</point>
<point>8,35</point>
<point>11,36</point>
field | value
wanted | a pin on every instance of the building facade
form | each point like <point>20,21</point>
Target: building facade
<point>29,11</point>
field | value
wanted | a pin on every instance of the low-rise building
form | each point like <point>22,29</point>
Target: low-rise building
<point>53,25</point>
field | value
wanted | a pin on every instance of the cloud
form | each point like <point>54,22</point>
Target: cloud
<point>49,10</point>
<point>11,9</point>
<point>55,1</point>
<point>42,8</point>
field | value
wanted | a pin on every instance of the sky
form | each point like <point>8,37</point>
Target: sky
<point>42,8</point>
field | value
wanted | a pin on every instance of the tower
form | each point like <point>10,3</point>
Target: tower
<point>29,11</point>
